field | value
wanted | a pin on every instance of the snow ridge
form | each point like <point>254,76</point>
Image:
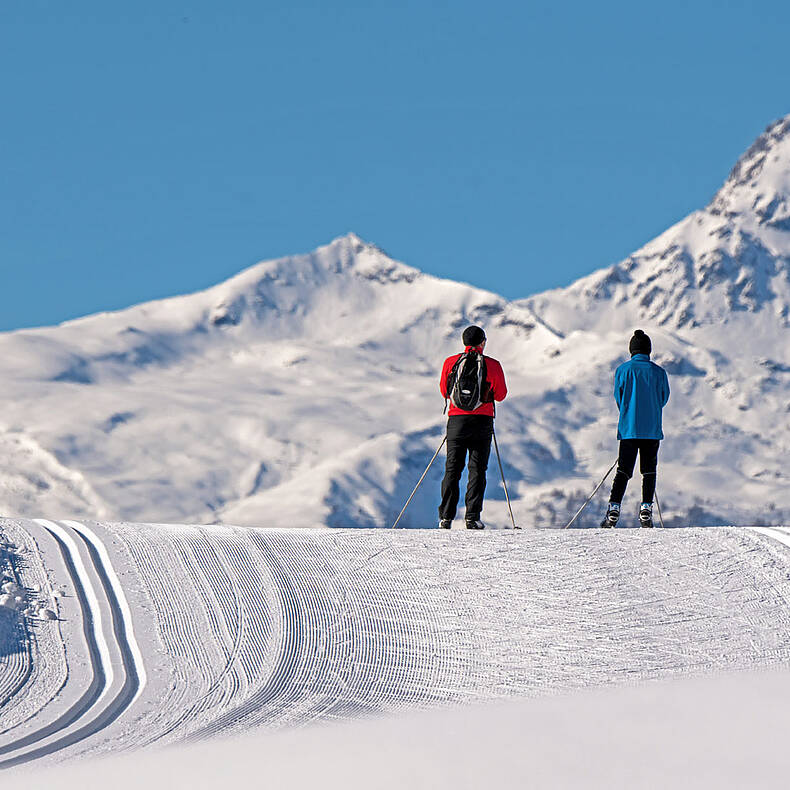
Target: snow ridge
<point>303,392</point>
<point>760,180</point>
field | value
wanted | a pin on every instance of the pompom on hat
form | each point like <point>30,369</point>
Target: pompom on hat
<point>640,343</point>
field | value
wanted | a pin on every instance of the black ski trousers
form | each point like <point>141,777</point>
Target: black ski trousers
<point>466,433</point>
<point>648,461</point>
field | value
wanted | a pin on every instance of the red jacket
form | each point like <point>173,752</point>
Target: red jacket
<point>494,375</point>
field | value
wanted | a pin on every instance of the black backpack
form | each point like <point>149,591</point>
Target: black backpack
<point>467,385</point>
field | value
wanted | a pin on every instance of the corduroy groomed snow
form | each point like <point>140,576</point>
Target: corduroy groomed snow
<point>640,343</point>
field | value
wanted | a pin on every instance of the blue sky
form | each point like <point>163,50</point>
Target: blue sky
<point>155,148</point>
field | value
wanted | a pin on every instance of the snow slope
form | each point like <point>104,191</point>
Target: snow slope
<point>303,392</point>
<point>173,633</point>
<point>727,731</point>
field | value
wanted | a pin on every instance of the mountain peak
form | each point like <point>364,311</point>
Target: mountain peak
<point>760,181</point>
<point>730,260</point>
<point>351,238</point>
<point>353,243</point>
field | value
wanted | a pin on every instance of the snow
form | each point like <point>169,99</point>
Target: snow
<point>303,391</point>
<point>727,731</point>
<point>33,661</point>
<point>626,656</point>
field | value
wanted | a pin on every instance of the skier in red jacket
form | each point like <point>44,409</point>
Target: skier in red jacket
<point>469,430</point>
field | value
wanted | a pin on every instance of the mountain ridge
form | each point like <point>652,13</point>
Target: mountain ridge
<point>737,257</point>
<point>303,390</point>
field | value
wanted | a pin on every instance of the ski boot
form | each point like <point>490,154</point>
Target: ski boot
<point>646,514</point>
<point>612,514</point>
<point>445,523</point>
<point>474,523</point>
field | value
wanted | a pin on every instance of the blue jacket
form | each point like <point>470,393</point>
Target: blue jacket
<point>641,390</point>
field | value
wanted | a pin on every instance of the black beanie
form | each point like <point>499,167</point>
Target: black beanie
<point>473,336</point>
<point>640,343</point>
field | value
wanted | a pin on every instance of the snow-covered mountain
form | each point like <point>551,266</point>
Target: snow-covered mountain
<point>303,391</point>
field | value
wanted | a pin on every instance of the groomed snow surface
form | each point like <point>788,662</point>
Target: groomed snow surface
<point>176,634</point>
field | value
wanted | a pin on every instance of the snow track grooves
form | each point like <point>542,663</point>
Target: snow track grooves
<point>283,628</point>
<point>90,713</point>
<point>243,629</point>
<point>123,626</point>
<point>16,665</point>
<point>16,660</point>
<point>292,627</point>
<point>335,658</point>
<point>96,646</point>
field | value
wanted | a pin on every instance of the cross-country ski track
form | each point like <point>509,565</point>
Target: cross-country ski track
<point>174,633</point>
<point>117,666</point>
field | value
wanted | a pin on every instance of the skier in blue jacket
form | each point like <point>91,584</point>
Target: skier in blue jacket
<point>641,390</point>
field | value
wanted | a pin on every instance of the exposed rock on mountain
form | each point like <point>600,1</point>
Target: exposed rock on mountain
<point>303,391</point>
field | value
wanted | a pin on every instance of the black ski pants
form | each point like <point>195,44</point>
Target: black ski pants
<point>466,433</point>
<point>648,461</point>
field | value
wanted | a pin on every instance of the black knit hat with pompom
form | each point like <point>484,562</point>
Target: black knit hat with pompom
<point>640,343</point>
<point>473,336</point>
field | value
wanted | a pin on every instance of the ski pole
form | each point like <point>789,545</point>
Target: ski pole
<point>504,484</point>
<point>430,463</point>
<point>589,498</point>
<point>658,507</point>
